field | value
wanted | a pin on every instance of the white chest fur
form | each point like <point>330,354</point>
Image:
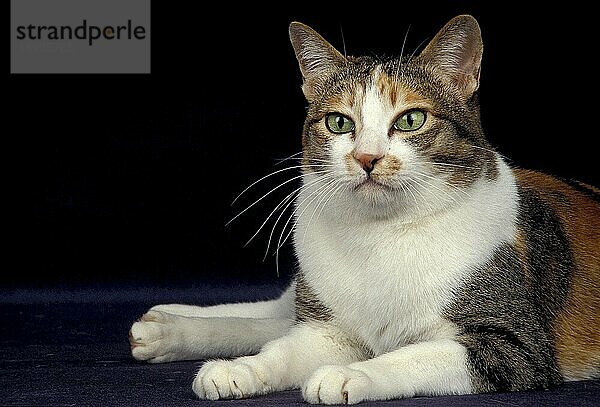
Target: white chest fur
<point>389,282</point>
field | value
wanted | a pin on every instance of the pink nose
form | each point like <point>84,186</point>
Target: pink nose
<point>367,161</point>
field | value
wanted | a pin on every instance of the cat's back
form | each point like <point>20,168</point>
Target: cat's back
<point>559,244</point>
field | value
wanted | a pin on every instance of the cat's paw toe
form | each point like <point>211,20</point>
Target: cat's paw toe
<point>222,379</point>
<point>148,338</point>
<point>337,385</point>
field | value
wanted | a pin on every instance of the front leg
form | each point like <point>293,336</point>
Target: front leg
<point>162,337</point>
<point>185,332</point>
<point>427,368</point>
<point>280,308</point>
<point>284,363</point>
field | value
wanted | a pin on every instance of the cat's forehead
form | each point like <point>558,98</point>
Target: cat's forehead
<point>377,84</point>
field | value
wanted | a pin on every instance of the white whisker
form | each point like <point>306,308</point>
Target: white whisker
<point>324,203</point>
<point>270,175</point>
<point>457,189</point>
<point>281,204</point>
<point>343,40</point>
<point>420,194</point>
<point>320,179</point>
<point>330,184</point>
<point>452,165</point>
<point>273,232</point>
<point>407,188</point>
<point>267,194</point>
<point>279,243</point>
<point>313,160</point>
<point>263,178</point>
<point>490,151</point>
<point>282,160</point>
<point>424,180</point>
<point>417,49</point>
<point>399,69</point>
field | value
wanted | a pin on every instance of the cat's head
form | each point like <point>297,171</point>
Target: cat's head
<point>394,136</point>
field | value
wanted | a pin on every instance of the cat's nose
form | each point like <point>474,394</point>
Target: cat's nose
<point>367,161</point>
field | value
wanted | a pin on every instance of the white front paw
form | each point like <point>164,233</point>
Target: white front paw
<point>236,379</point>
<point>337,385</point>
<point>151,338</point>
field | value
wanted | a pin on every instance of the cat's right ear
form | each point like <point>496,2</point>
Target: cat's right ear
<point>318,59</point>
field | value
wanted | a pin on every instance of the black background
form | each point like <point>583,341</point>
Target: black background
<point>129,178</point>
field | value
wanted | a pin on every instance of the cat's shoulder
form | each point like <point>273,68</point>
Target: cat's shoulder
<point>553,189</point>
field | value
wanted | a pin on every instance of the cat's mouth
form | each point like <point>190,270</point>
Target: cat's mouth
<point>370,183</point>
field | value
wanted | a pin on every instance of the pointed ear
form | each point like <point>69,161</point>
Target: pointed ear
<point>317,58</point>
<point>456,51</point>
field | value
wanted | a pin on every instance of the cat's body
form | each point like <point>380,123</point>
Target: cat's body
<point>427,264</point>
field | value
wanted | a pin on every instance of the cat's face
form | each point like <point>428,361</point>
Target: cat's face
<point>398,136</point>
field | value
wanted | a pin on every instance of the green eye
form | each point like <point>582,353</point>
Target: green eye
<point>338,123</point>
<point>410,121</point>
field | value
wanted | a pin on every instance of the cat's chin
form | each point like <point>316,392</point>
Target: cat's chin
<point>378,199</point>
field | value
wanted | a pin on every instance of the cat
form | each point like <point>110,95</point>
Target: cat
<point>431,267</point>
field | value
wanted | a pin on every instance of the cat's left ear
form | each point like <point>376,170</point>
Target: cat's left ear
<point>456,52</point>
<point>318,59</point>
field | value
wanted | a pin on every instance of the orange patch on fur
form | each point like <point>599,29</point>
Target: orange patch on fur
<point>339,103</point>
<point>523,253</point>
<point>386,168</point>
<point>350,163</point>
<point>388,165</point>
<point>577,327</point>
<point>383,82</point>
<point>387,86</point>
<point>411,97</point>
<point>396,93</point>
<point>393,95</point>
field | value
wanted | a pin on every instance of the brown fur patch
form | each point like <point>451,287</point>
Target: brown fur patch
<point>349,160</point>
<point>464,164</point>
<point>383,83</point>
<point>393,93</point>
<point>577,327</point>
<point>392,164</point>
<point>397,93</point>
<point>523,253</point>
<point>388,166</point>
<point>308,306</point>
<point>351,99</point>
<point>341,102</point>
<point>410,97</point>
<point>590,188</point>
<point>491,167</point>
